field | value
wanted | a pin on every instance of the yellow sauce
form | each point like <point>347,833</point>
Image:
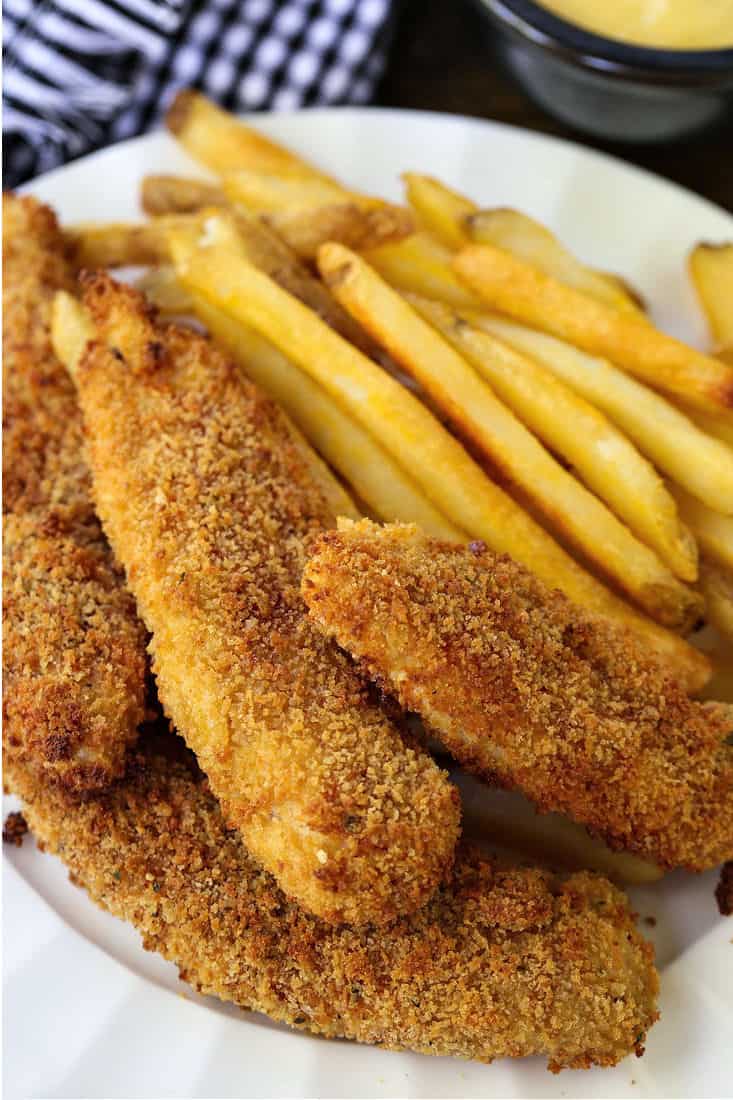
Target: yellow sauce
<point>670,24</point>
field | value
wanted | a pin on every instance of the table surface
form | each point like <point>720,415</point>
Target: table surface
<point>441,60</point>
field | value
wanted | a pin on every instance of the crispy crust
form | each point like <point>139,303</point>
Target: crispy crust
<point>42,432</point>
<point>74,649</point>
<point>499,963</point>
<point>74,657</point>
<point>192,461</point>
<point>525,688</point>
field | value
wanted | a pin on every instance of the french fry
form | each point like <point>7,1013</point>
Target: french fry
<point>711,269</point>
<point>524,292</point>
<point>163,289</point>
<point>356,226</point>
<point>501,440</point>
<point>220,141</point>
<point>531,241</point>
<point>71,329</point>
<point>117,244</point>
<point>421,264</point>
<point>675,444</point>
<point>303,229</point>
<point>713,531</point>
<point>179,195</point>
<point>264,248</point>
<point>455,219</point>
<point>574,429</point>
<point>416,440</point>
<point>266,193</point>
<point>438,208</point>
<point>716,585</point>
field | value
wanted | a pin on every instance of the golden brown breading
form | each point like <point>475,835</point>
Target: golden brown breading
<point>74,649</point>
<point>209,503</point>
<point>525,688</point>
<point>42,431</point>
<point>499,963</point>
<point>73,652</point>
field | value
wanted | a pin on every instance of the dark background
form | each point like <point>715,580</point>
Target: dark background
<point>441,60</point>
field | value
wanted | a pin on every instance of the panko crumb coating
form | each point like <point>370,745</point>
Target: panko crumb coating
<point>499,963</point>
<point>528,690</point>
<point>73,648</point>
<point>209,504</point>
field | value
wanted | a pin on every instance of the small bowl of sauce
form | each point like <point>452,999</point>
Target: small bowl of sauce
<point>624,70</point>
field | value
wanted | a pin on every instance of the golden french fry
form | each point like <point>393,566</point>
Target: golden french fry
<point>725,353</point>
<point>356,226</point>
<point>266,193</point>
<point>265,249</point>
<point>178,195</point>
<point>716,585</point>
<point>421,264</point>
<point>448,477</point>
<point>438,208</point>
<point>495,433</point>
<point>603,457</point>
<point>532,242</point>
<point>711,269</point>
<point>223,143</point>
<point>693,459</point>
<point>527,294</point>
<point>163,289</point>
<point>713,531</point>
<point>117,244</point>
<point>71,329</point>
<point>302,229</point>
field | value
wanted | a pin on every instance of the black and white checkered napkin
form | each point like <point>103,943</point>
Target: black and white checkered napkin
<point>79,74</point>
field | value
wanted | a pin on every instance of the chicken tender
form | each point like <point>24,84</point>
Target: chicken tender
<point>499,962</point>
<point>209,504</point>
<point>74,649</point>
<point>528,690</point>
<point>73,652</point>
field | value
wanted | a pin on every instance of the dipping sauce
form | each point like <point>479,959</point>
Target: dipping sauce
<point>669,24</point>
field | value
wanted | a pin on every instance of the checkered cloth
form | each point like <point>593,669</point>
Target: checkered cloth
<point>79,74</point>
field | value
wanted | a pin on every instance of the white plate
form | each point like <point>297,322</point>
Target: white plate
<point>88,1012</point>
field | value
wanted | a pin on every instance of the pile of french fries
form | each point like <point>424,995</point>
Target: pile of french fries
<point>457,367</point>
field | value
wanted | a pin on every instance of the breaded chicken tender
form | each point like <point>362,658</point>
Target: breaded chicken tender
<point>209,504</point>
<point>43,464</point>
<point>498,963</point>
<point>530,691</point>
<point>74,650</point>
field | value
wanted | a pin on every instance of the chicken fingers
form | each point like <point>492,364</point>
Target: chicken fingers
<point>209,504</point>
<point>527,689</point>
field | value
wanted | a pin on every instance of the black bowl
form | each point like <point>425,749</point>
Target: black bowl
<point>607,88</point>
